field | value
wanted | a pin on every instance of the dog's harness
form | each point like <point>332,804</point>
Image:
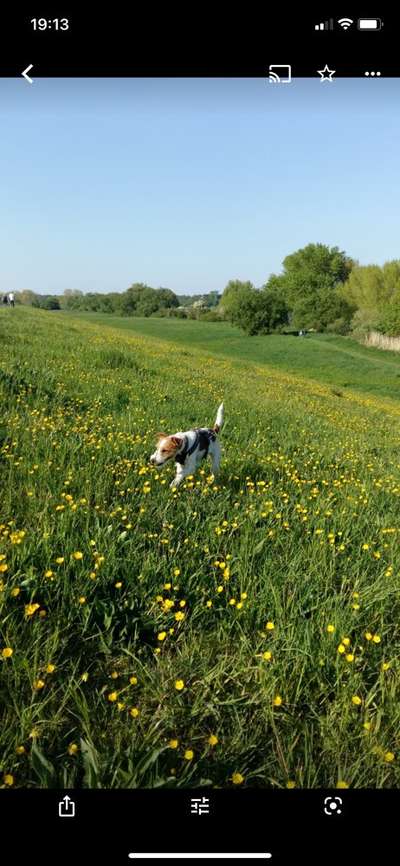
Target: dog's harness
<point>204,435</point>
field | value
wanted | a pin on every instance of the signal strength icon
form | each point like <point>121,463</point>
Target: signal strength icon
<point>325,25</point>
<point>345,23</point>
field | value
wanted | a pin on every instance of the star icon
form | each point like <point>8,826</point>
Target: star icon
<point>326,73</point>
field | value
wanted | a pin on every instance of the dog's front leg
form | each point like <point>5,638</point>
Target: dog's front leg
<point>180,474</point>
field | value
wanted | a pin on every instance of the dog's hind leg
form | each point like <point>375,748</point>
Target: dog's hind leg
<point>215,455</point>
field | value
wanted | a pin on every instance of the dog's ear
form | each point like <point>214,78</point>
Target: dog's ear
<point>161,436</point>
<point>177,440</point>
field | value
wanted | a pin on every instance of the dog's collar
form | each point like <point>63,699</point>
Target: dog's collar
<point>186,451</point>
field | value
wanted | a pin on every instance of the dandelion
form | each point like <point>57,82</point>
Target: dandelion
<point>212,740</point>
<point>342,784</point>
<point>237,778</point>
<point>50,668</point>
<point>59,560</point>
<point>38,685</point>
<point>16,591</point>
<point>341,649</point>
<point>270,626</point>
<point>277,701</point>
<point>389,757</point>
<point>290,784</point>
<point>267,656</point>
<point>114,675</point>
<point>112,696</point>
<point>31,608</point>
<point>72,749</point>
<point>179,616</point>
<point>8,779</point>
<point>77,555</point>
<point>349,657</point>
<point>173,744</point>
<point>376,638</point>
<point>133,681</point>
<point>189,755</point>
<point>330,628</point>
<point>134,712</point>
<point>162,635</point>
<point>20,750</point>
<point>385,666</point>
<point>177,572</point>
<point>7,652</point>
<point>346,641</point>
<point>356,700</point>
<point>49,573</point>
<point>179,685</point>
<point>118,584</point>
<point>82,599</point>
<point>85,677</point>
<point>368,635</point>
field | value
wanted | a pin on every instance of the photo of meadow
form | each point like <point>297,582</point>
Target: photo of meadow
<point>238,631</point>
<point>242,630</point>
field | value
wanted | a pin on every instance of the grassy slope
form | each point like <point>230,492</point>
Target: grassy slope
<point>339,361</point>
<point>300,530</point>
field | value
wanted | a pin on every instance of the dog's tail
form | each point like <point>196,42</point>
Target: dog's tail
<point>219,421</point>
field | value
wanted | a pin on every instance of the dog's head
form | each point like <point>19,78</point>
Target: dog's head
<point>167,448</point>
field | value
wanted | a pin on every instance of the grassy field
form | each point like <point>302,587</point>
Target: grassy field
<point>243,630</point>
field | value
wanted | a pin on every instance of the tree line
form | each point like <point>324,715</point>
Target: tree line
<point>320,288</point>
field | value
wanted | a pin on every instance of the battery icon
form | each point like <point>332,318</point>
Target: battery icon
<point>369,23</point>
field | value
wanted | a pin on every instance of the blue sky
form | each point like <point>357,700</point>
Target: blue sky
<point>187,183</point>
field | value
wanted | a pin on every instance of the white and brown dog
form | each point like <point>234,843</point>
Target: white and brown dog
<point>189,448</point>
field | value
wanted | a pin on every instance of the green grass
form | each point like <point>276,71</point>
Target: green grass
<point>339,361</point>
<point>299,530</point>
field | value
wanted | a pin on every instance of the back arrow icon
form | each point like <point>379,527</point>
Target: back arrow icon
<point>24,73</point>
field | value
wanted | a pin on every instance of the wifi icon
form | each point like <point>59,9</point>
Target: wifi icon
<point>345,23</point>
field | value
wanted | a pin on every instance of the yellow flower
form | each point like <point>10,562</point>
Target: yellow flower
<point>385,666</point>
<point>118,584</point>
<point>134,712</point>
<point>133,681</point>
<point>7,652</point>
<point>208,604</point>
<point>82,599</point>
<point>179,616</point>
<point>114,675</point>
<point>239,605</point>
<point>270,626</point>
<point>267,656</point>
<point>59,560</point>
<point>173,744</point>
<point>167,586</point>
<point>48,573</point>
<point>346,641</point>
<point>341,649</point>
<point>31,608</point>
<point>162,635</point>
<point>220,588</point>
<point>85,677</point>
<point>182,603</point>
<point>16,591</point>
<point>120,705</point>
<point>290,784</point>
<point>356,700</point>
<point>212,740</point>
<point>177,572</point>
<point>39,684</point>
<point>350,657</point>
<point>112,696</point>
<point>330,628</point>
<point>8,779</point>
<point>3,567</point>
<point>50,668</point>
<point>72,749</point>
<point>179,685</point>
<point>342,784</point>
<point>365,547</point>
<point>189,754</point>
<point>389,756</point>
<point>277,701</point>
<point>20,750</point>
<point>77,554</point>
<point>367,726</point>
<point>368,635</point>
<point>237,778</point>
<point>376,638</point>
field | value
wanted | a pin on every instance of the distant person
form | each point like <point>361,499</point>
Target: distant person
<point>11,299</point>
<point>5,299</point>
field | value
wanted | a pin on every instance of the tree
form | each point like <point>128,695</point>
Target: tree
<point>310,282</point>
<point>232,296</point>
<point>260,312</point>
<point>167,298</point>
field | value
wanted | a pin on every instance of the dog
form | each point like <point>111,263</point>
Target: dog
<point>189,448</point>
